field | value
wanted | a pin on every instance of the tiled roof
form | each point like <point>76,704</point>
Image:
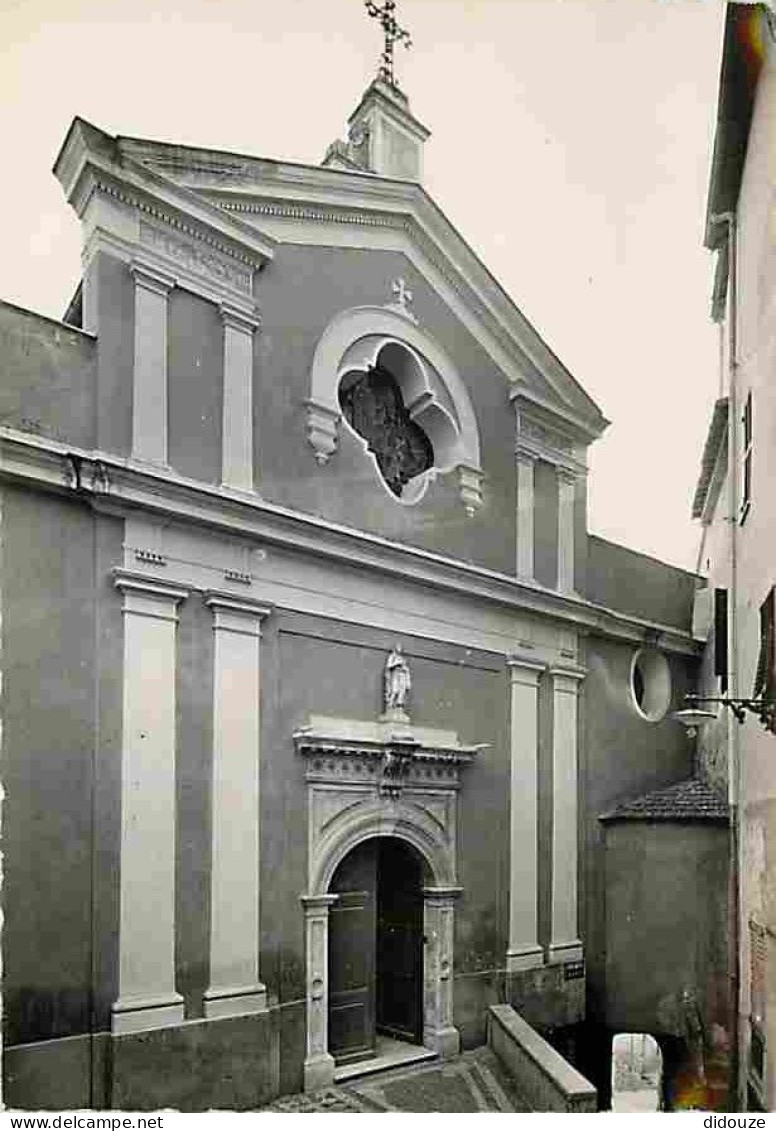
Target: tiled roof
<point>692,800</point>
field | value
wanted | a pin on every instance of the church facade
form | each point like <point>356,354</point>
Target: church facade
<point>315,683</point>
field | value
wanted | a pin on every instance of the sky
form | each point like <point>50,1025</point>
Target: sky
<point>571,147</point>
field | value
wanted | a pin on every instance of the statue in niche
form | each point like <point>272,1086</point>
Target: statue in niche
<point>398,680</point>
<point>373,406</point>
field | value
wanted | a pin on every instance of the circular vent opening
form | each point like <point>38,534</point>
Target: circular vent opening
<point>651,684</point>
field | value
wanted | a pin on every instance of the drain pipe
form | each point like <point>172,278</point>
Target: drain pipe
<point>735,768</point>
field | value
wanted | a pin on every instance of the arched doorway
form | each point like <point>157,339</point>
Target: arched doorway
<point>375,948</point>
<point>353,798</point>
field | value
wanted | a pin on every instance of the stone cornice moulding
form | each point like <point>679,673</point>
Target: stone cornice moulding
<point>143,593</point>
<point>492,327</point>
<point>531,405</point>
<point>215,288</point>
<point>517,662</point>
<point>122,486</point>
<point>333,735</point>
<point>295,191</point>
<point>567,677</point>
<point>236,614</point>
<point>88,163</point>
<point>305,193</point>
<point>398,111</point>
<point>148,276</point>
<point>237,319</point>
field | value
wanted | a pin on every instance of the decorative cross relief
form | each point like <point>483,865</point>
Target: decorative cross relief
<point>402,292</point>
<point>403,298</point>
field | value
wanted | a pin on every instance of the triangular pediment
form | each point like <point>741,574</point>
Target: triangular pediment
<point>265,202</point>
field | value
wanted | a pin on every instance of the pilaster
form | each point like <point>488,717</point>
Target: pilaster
<point>237,430</point>
<point>149,381</point>
<point>524,951</point>
<point>439,1033</point>
<point>319,1063</point>
<point>565,945</point>
<point>525,516</point>
<point>567,482</point>
<point>147,997</point>
<point>234,986</point>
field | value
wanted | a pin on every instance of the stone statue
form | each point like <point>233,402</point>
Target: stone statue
<point>397,680</point>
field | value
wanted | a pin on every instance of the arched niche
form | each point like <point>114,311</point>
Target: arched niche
<point>432,390</point>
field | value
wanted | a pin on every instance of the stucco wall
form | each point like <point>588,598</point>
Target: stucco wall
<point>109,308</point>
<point>195,359</point>
<point>48,742</point>
<point>666,909</point>
<point>47,377</point>
<point>300,293</point>
<point>622,756</point>
<point>634,583</point>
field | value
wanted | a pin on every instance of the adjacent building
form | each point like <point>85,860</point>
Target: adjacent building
<point>734,502</point>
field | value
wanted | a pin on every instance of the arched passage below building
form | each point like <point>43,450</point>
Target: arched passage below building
<point>637,1073</point>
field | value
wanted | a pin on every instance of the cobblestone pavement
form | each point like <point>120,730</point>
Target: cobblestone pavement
<point>472,1082</point>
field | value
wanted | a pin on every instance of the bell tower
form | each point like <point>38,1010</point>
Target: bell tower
<point>384,137</point>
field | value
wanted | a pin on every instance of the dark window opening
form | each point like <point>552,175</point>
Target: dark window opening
<point>638,686</point>
<point>746,458</point>
<point>373,406</point>
<point>757,1053</point>
<point>721,637</point>
<point>765,679</point>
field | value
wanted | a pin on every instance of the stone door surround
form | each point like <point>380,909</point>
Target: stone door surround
<point>377,779</point>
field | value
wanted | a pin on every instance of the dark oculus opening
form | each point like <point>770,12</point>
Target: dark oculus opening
<point>372,404</point>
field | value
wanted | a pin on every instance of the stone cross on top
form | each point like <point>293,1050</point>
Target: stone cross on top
<point>393,34</point>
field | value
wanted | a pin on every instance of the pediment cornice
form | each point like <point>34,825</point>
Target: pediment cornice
<point>408,214</point>
<point>305,204</point>
<point>90,163</point>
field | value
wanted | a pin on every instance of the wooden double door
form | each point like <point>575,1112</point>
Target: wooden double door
<point>375,949</point>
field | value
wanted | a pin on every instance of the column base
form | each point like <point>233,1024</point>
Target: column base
<point>446,1042</point>
<point>572,951</point>
<point>524,958</point>
<point>235,1002</point>
<point>135,1014</point>
<point>318,1072</point>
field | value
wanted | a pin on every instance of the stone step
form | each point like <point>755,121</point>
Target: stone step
<point>475,1081</point>
<point>390,1054</point>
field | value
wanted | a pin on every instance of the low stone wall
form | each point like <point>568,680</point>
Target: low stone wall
<point>548,1082</point>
